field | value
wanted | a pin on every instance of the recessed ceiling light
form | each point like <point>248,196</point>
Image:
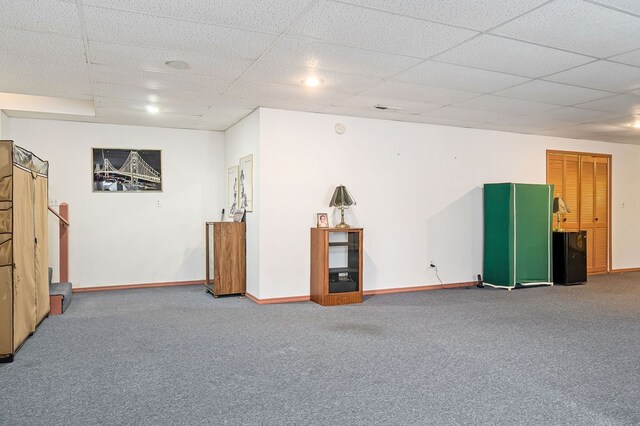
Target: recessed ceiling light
<point>152,109</point>
<point>312,81</point>
<point>179,65</point>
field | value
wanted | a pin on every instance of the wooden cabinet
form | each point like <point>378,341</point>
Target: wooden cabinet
<point>225,258</point>
<point>336,265</point>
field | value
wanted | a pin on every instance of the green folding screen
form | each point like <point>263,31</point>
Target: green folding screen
<point>517,234</point>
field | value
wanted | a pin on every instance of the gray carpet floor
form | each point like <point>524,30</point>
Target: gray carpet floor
<point>545,355</point>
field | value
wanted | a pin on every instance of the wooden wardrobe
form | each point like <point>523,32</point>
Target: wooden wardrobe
<point>24,284</point>
<point>583,180</point>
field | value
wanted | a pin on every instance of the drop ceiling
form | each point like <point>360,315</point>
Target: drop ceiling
<point>566,68</point>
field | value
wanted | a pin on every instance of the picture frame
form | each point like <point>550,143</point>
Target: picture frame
<point>126,170</point>
<point>232,189</point>
<point>322,220</point>
<point>238,215</point>
<point>245,183</point>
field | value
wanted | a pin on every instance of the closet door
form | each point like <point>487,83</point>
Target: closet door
<point>582,180</point>
<point>594,211</point>
<point>563,171</point>
<point>601,214</point>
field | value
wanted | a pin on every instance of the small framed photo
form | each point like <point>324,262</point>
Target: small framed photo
<point>323,220</point>
<point>238,215</point>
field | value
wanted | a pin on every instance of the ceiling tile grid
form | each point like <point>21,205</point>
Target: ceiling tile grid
<point>136,29</point>
<point>449,76</point>
<point>555,67</point>
<point>153,59</point>
<point>601,75</point>
<point>49,16</point>
<point>272,16</point>
<point>371,29</point>
<point>479,15</point>
<point>501,54</point>
<point>332,57</point>
<point>577,26</point>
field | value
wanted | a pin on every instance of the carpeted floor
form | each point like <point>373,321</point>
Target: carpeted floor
<point>545,355</point>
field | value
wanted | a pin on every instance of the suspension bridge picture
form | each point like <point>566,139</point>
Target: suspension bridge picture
<point>120,170</point>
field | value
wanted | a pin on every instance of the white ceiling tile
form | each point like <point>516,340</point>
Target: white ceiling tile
<point>632,6</point>
<point>468,117</point>
<point>624,122</point>
<point>138,105</point>
<point>510,56</point>
<point>355,26</point>
<point>269,16</point>
<point>281,102</point>
<point>622,104</point>
<point>136,29</point>
<point>630,58</point>
<point>221,118</point>
<point>39,44</point>
<point>449,76</point>
<point>159,81</point>
<point>403,106</point>
<point>354,111</point>
<point>51,16</point>
<point>52,68</point>
<point>154,95</point>
<point>533,122</point>
<point>295,94</point>
<point>576,115</point>
<point>149,59</point>
<point>552,93</point>
<point>217,112</point>
<point>478,14</point>
<point>65,85</point>
<point>577,26</point>
<point>332,57</point>
<point>272,73</point>
<point>505,105</point>
<point>404,91</point>
<point>143,118</point>
<point>601,75</point>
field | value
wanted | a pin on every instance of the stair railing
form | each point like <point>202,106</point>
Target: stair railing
<point>63,219</point>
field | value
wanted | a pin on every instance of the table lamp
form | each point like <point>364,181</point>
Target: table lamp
<point>342,200</point>
<point>559,208</point>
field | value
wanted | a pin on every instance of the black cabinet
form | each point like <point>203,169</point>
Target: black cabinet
<point>570,257</point>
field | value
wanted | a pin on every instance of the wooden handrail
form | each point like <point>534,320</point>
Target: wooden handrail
<point>62,219</point>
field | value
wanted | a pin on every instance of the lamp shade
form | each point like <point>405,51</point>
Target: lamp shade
<point>559,206</point>
<point>341,198</point>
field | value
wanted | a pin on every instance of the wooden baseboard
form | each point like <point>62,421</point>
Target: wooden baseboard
<point>622,271</point>
<point>277,299</point>
<point>135,286</point>
<point>420,288</point>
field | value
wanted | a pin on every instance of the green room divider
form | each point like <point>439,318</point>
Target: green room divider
<point>517,234</point>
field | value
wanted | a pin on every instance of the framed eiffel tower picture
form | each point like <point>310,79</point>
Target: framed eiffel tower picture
<point>126,170</point>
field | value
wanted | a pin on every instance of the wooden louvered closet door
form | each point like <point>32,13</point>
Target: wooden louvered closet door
<point>583,182</point>
<point>563,171</point>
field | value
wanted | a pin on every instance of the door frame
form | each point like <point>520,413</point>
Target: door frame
<point>609,194</point>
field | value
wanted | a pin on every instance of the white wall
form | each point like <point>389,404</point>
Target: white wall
<point>124,238</point>
<point>419,194</point>
<point>241,140</point>
<point>4,125</point>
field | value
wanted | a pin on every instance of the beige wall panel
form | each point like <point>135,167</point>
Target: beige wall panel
<point>6,311</point>
<point>24,289</point>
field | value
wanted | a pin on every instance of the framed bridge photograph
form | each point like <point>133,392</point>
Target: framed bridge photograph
<point>126,170</point>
